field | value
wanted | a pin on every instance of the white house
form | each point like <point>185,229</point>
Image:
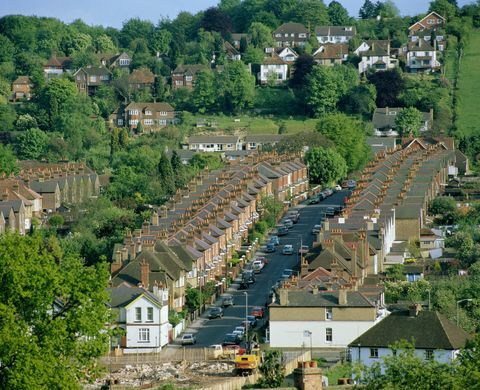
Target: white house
<point>287,54</point>
<point>433,335</point>
<point>429,35</point>
<point>273,68</point>
<point>375,55</point>
<point>214,143</point>
<point>322,319</point>
<point>143,316</point>
<point>334,34</point>
<point>384,121</point>
<point>422,56</point>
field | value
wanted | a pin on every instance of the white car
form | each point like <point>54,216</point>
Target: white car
<point>257,266</point>
<point>316,229</point>
<point>287,249</point>
<point>288,223</point>
<point>239,334</point>
<point>188,338</point>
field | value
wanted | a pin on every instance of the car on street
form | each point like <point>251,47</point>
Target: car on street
<point>227,300</point>
<point>314,200</point>
<point>316,229</point>
<point>330,212</point>
<point>338,187</point>
<point>270,247</point>
<point>252,321</point>
<point>257,312</point>
<point>215,312</point>
<point>231,339</point>
<point>275,240</point>
<point>287,249</point>
<point>287,273</point>
<point>257,266</point>
<point>329,191</point>
<point>351,184</point>
<point>303,250</point>
<point>282,231</point>
<point>239,334</point>
<point>188,339</point>
<point>294,215</point>
<point>248,276</point>
<point>288,223</point>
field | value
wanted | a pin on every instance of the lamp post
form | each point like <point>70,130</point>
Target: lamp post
<point>246,319</point>
<point>458,303</point>
<point>308,333</point>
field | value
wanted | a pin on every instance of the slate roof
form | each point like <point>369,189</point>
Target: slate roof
<point>23,80</point>
<point>220,139</point>
<point>291,28</point>
<point>44,187</point>
<point>429,330</point>
<point>141,76</point>
<point>332,51</point>
<point>304,298</point>
<point>123,295</point>
<point>343,31</point>
<point>154,107</point>
<point>191,69</point>
<point>384,118</point>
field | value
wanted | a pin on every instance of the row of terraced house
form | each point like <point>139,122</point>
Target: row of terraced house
<point>191,240</point>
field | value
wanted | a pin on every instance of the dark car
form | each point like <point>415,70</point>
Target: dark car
<point>330,212</point>
<point>252,321</point>
<point>248,277</point>
<point>270,247</point>
<point>231,339</point>
<point>314,200</point>
<point>282,231</point>
<point>215,312</point>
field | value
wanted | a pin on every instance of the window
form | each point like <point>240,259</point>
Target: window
<point>162,122</point>
<point>328,335</point>
<point>374,353</point>
<point>144,335</point>
<point>133,122</point>
<point>124,61</point>
<point>302,35</point>
<point>120,122</point>
<point>148,112</point>
<point>188,78</point>
<point>178,82</point>
<point>429,354</point>
<point>430,21</point>
<point>148,122</point>
<point>105,77</point>
<point>163,113</point>
<point>286,35</point>
<point>138,314</point>
<point>328,313</point>
<point>93,79</point>
<point>149,314</point>
<point>133,112</point>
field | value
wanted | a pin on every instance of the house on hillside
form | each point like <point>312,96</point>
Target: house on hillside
<point>143,316</point>
<point>56,66</point>
<point>331,54</point>
<point>334,34</point>
<point>384,121</point>
<point>119,61</point>
<point>141,79</point>
<point>231,52</point>
<point>90,78</point>
<point>422,57</point>
<point>273,68</point>
<point>287,54</point>
<point>432,21</point>
<point>152,116</point>
<point>257,141</point>
<point>237,39</point>
<point>291,35</point>
<point>434,337</point>
<point>375,55</point>
<point>184,75</point>
<point>22,88</point>
<point>214,143</point>
<point>429,35</point>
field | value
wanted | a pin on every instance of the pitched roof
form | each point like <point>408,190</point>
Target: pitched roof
<point>23,80</point>
<point>305,298</point>
<point>154,107</point>
<point>385,117</point>
<point>429,330</point>
<point>331,51</point>
<point>55,61</point>
<point>291,28</point>
<point>227,139</point>
<point>264,138</point>
<point>343,31</point>
<point>122,295</point>
<point>94,70</point>
<point>141,76</point>
<point>193,68</point>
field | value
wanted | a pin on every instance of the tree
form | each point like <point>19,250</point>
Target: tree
<point>8,161</point>
<point>165,173</point>
<point>32,144</point>
<point>193,299</point>
<point>261,35</point>
<point>134,29</point>
<point>25,122</point>
<point>469,367</point>
<point>323,91</point>
<point>444,7</point>
<point>54,310</point>
<point>338,14</point>
<point>214,19</point>
<point>7,117</point>
<point>325,166</point>
<point>311,13</point>
<point>57,97</point>
<point>442,205</point>
<point>272,369</point>
<point>104,44</point>
<point>368,10</point>
<point>161,41</point>
<point>360,101</point>
<point>408,121</point>
<point>178,170</point>
<point>389,85</point>
<point>348,136</point>
<point>253,55</point>
<point>204,94</point>
<point>105,99</point>
<point>301,69</point>
<point>239,87</point>
<point>387,9</point>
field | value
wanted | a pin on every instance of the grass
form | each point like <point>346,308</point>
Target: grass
<point>450,58</point>
<point>468,112</point>
<point>252,124</point>
<point>338,371</point>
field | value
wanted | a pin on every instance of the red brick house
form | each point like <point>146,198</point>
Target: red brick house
<point>22,88</point>
<point>432,20</point>
<point>152,116</point>
<point>184,75</point>
<point>142,79</point>
<point>88,79</point>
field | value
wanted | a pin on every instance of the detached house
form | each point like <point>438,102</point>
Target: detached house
<point>119,61</point>
<point>432,20</point>
<point>334,34</point>
<point>273,68</point>
<point>330,54</point>
<point>56,66</point>
<point>422,56</point>
<point>375,55</point>
<point>22,88</point>
<point>141,79</point>
<point>429,35</point>
<point>384,121</point>
<point>237,39</point>
<point>151,115</point>
<point>88,79</point>
<point>184,75</point>
<point>291,34</point>
<point>219,143</point>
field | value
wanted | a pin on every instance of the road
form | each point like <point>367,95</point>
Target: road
<point>208,332</point>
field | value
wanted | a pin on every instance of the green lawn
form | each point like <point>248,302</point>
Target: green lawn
<point>251,124</point>
<point>468,110</point>
<point>450,56</point>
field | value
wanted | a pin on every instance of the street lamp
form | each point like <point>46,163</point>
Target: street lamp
<point>308,333</point>
<point>458,303</point>
<point>246,319</point>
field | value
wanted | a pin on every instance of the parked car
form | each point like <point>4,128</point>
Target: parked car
<point>188,339</point>
<point>275,240</point>
<point>287,249</point>
<point>257,266</point>
<point>282,231</point>
<point>351,184</point>
<point>338,187</point>
<point>330,212</point>
<point>231,339</point>
<point>303,250</point>
<point>239,334</point>
<point>215,312</point>
<point>227,300</point>
<point>270,247</point>
<point>288,223</point>
<point>314,200</point>
<point>252,320</point>
<point>257,312</point>
<point>287,273</point>
<point>263,259</point>
<point>248,276</point>
<point>241,329</point>
<point>294,215</point>
<point>316,229</point>
<point>329,191</point>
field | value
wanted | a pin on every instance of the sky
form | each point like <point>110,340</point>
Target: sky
<point>115,12</point>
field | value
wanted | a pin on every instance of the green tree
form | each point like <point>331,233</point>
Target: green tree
<point>395,272</point>
<point>325,166</point>
<point>32,144</point>
<point>323,92</point>
<point>272,369</point>
<point>387,9</point>
<point>8,161</point>
<point>178,170</point>
<point>409,121</point>
<point>104,44</point>
<point>348,136</point>
<point>261,35</point>
<point>442,205</point>
<point>193,299</point>
<point>303,66</point>
<point>360,101</point>
<point>54,310</point>
<point>106,100</point>
<point>444,7</point>
<point>253,55</point>
<point>338,14</point>
<point>7,117</point>
<point>389,84</point>
<point>166,176</point>
<point>57,97</point>
<point>25,122</point>
<point>311,13</point>
<point>239,87</point>
<point>368,10</point>
<point>161,40</point>
<point>204,94</point>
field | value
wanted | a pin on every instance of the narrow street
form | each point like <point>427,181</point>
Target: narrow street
<point>208,332</point>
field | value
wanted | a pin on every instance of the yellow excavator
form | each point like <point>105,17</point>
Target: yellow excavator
<point>249,362</point>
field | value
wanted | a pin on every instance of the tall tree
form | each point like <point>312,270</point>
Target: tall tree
<point>323,92</point>
<point>409,121</point>
<point>338,14</point>
<point>8,161</point>
<point>165,174</point>
<point>445,8</point>
<point>360,101</point>
<point>272,369</point>
<point>178,170</point>
<point>204,94</point>
<point>32,144</point>
<point>311,13</point>
<point>368,10</point>
<point>389,84</point>
<point>53,310</point>
<point>301,69</point>
<point>261,35</point>
<point>239,87</point>
<point>325,166</point>
<point>214,19</point>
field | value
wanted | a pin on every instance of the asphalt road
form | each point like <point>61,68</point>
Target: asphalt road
<point>208,332</point>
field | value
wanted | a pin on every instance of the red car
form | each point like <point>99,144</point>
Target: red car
<point>257,312</point>
<point>234,349</point>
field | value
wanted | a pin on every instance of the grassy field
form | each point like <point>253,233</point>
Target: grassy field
<point>468,109</point>
<point>251,124</point>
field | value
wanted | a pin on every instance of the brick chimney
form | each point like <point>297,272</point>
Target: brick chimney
<point>304,268</point>
<point>342,296</point>
<point>144,274</point>
<point>283,295</point>
<point>154,218</point>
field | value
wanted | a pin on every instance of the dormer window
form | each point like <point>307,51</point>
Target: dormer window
<point>392,112</point>
<point>148,112</point>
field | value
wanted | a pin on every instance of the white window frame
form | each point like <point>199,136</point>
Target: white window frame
<point>148,122</point>
<point>328,314</point>
<point>148,112</point>
<point>150,314</point>
<point>163,113</point>
<point>328,335</point>
<point>93,79</point>
<point>188,78</point>
<point>138,314</point>
<point>120,122</point>
<point>143,335</point>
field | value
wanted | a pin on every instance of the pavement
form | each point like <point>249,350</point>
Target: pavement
<point>208,332</point>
